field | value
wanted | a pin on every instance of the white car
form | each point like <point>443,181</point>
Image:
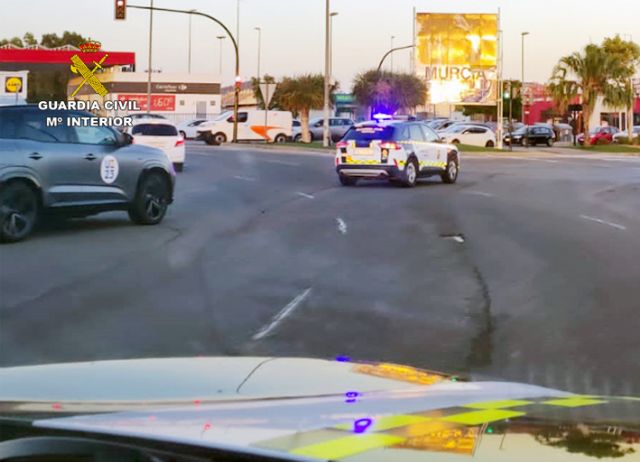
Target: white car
<point>474,135</point>
<point>400,152</point>
<point>162,134</point>
<point>189,128</point>
<point>634,134</point>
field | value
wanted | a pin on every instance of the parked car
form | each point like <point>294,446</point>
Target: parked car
<point>453,126</point>
<point>75,171</point>
<point>531,135</point>
<point>189,128</point>
<point>338,126</point>
<point>251,127</point>
<point>146,115</point>
<point>624,134</point>
<point>599,135</point>
<point>161,134</point>
<point>474,135</point>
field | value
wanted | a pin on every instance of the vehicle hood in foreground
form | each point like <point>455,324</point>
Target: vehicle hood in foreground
<point>305,409</point>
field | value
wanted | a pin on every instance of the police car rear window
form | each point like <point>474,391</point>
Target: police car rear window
<point>154,130</point>
<point>369,133</point>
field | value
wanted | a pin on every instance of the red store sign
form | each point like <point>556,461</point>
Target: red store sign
<point>158,102</point>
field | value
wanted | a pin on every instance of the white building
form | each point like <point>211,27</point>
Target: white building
<point>13,87</point>
<point>176,96</point>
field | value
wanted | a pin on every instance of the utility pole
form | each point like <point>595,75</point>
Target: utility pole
<point>327,70</point>
<point>150,58</point>
<point>523,35</point>
<point>259,48</point>
<point>190,16</point>
<point>391,48</point>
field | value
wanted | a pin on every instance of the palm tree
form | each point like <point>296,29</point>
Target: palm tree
<point>301,94</point>
<point>593,73</point>
<point>388,92</point>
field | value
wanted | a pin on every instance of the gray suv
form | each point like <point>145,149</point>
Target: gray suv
<point>338,126</point>
<point>75,171</point>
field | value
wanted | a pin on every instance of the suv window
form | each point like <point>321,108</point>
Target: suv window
<point>429,134</point>
<point>34,127</point>
<point>9,124</point>
<point>95,135</point>
<point>364,135</point>
<point>476,130</point>
<point>416,133</point>
<point>154,130</point>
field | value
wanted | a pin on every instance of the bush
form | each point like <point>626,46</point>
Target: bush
<point>623,140</point>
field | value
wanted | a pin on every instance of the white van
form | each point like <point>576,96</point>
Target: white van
<point>251,127</point>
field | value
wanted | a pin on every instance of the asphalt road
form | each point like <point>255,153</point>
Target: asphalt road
<point>264,253</point>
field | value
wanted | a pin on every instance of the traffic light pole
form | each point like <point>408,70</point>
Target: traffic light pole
<point>235,46</point>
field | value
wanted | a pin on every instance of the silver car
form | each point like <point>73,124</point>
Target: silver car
<point>338,126</point>
<point>75,171</point>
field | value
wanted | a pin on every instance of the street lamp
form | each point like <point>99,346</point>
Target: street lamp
<point>391,48</point>
<point>332,15</point>
<point>523,35</point>
<point>190,16</point>
<point>220,39</point>
<point>259,47</point>
<point>327,70</point>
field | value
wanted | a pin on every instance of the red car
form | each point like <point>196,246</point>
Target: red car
<point>599,135</point>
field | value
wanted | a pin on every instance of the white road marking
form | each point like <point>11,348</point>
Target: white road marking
<point>342,226</point>
<point>280,162</point>
<point>308,196</point>
<point>479,193</point>
<point>284,312</point>
<point>603,222</point>
<point>244,178</point>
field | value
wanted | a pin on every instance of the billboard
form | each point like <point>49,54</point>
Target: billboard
<point>457,56</point>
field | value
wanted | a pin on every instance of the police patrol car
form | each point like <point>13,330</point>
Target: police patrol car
<point>398,151</point>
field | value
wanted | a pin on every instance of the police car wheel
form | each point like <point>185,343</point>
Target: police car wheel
<point>450,175</point>
<point>347,180</point>
<point>178,167</point>
<point>18,211</point>
<point>410,174</point>
<point>151,202</point>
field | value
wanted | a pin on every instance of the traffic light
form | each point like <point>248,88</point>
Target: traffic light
<point>121,9</point>
<point>238,82</point>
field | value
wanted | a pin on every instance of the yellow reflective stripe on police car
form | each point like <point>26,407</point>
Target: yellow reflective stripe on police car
<point>348,446</point>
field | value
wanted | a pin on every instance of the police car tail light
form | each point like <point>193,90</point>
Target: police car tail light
<point>179,142</point>
<point>390,145</point>
<point>342,145</point>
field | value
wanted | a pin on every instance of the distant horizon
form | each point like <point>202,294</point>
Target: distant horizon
<point>293,33</point>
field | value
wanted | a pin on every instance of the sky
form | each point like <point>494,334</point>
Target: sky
<point>293,31</point>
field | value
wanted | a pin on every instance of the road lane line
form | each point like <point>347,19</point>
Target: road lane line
<point>284,312</point>
<point>479,193</point>
<point>342,226</point>
<point>308,196</point>
<point>244,178</point>
<point>603,222</point>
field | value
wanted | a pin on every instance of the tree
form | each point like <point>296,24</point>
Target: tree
<point>388,92</point>
<point>592,73</point>
<point>29,40</point>
<point>629,54</point>
<point>67,38</point>
<point>16,41</point>
<point>301,94</point>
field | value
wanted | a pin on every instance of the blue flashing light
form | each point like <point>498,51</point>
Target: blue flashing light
<point>351,396</point>
<point>382,116</point>
<point>361,425</point>
<point>343,359</point>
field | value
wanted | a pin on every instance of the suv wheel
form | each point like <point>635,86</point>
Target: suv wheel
<point>347,180</point>
<point>152,200</point>
<point>410,174</point>
<point>450,175</point>
<point>18,211</point>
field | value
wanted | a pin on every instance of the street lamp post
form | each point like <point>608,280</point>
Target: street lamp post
<point>150,57</point>
<point>523,35</point>
<point>259,49</point>
<point>391,48</point>
<point>236,96</point>
<point>327,70</point>
<point>190,16</point>
<point>220,39</point>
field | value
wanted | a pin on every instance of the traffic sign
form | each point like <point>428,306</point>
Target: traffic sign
<point>267,90</point>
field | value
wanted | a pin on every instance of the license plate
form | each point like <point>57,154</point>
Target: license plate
<point>364,152</point>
